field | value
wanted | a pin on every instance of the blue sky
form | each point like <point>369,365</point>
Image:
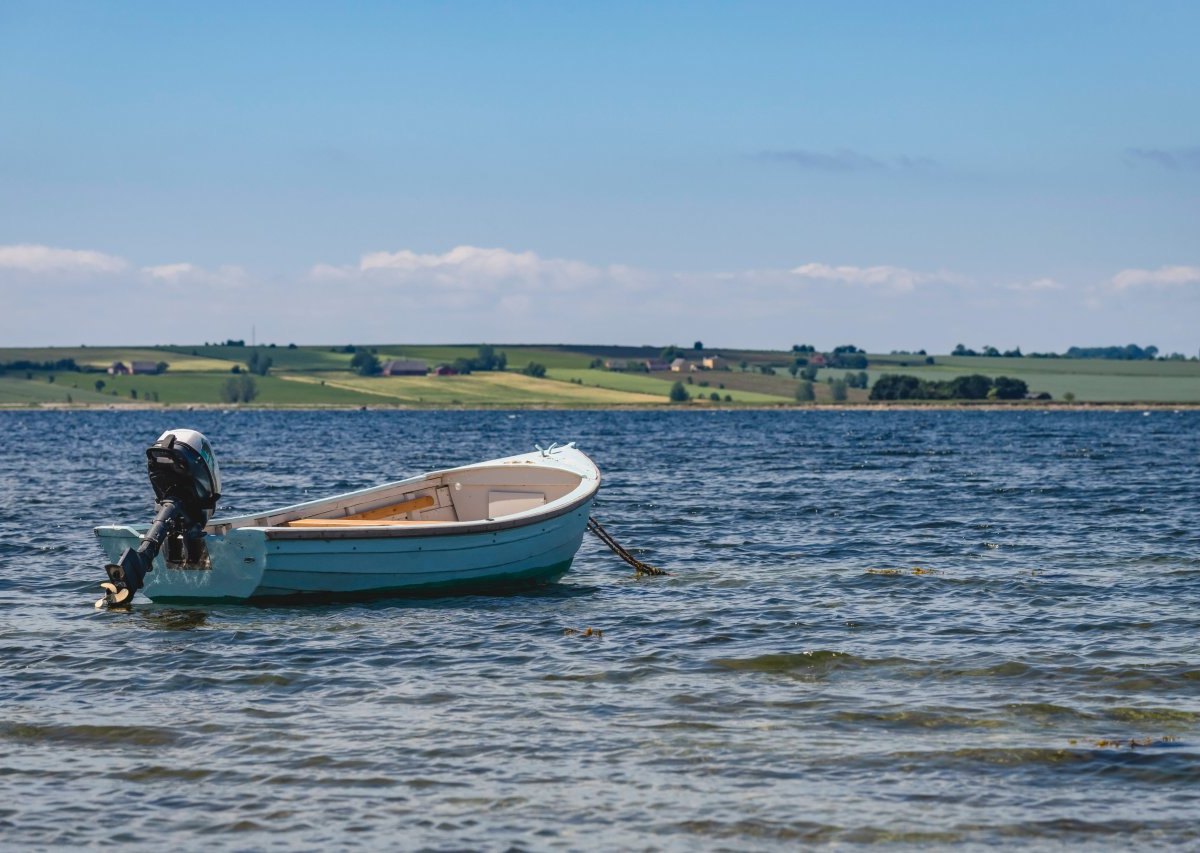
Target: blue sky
<point>895,175</point>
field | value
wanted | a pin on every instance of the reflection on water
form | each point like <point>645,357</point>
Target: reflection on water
<point>913,628</point>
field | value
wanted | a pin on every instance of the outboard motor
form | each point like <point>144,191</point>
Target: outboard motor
<point>187,485</point>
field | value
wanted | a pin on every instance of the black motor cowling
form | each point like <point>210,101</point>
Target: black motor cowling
<point>187,485</point>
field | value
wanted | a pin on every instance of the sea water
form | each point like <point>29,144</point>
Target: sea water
<point>897,629</point>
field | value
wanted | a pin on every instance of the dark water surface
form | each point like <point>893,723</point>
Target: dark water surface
<point>794,683</point>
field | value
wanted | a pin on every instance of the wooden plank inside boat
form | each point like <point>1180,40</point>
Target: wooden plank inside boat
<point>384,512</point>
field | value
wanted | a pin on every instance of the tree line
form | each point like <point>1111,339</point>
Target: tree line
<point>901,386</point>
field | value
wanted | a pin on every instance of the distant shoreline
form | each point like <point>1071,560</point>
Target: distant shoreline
<point>874,406</point>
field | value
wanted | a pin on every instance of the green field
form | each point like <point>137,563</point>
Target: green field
<point>659,385</point>
<point>321,375</point>
<point>183,388</point>
<point>1089,380</point>
<point>180,359</point>
<point>490,388</point>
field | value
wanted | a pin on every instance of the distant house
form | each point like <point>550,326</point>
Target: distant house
<point>615,364</point>
<point>118,368</point>
<point>143,368</point>
<point>404,367</point>
<point>715,362</point>
<point>679,365</point>
<point>816,360</point>
<point>444,370</point>
<point>653,364</point>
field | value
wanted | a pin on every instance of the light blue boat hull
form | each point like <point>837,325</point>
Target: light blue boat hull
<point>246,565</point>
<point>273,557</point>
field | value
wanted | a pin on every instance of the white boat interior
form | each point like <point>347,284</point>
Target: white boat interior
<point>475,493</point>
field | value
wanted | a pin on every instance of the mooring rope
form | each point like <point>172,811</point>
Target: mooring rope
<point>606,537</point>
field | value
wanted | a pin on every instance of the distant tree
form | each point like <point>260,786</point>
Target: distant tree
<point>838,389</point>
<point>715,397</point>
<point>851,380</point>
<point>728,398</point>
<point>365,363</point>
<point>50,378</point>
<point>534,369</point>
<point>133,393</point>
<point>972,387</point>
<point>809,372</point>
<point>237,368</point>
<point>897,386</point>
<point>691,381</point>
<point>239,389</point>
<point>596,364</point>
<point>161,367</point>
<point>803,348</point>
<point>1129,352</point>
<point>1010,389</point>
<point>698,345</point>
<point>855,360</point>
<point>261,364</point>
<point>804,391</point>
<point>291,346</point>
<point>670,353</point>
<point>1069,396</point>
<point>678,393</point>
<point>99,385</point>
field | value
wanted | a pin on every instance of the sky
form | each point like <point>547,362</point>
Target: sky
<point>898,176</point>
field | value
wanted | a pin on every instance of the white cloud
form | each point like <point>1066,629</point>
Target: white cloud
<point>476,269</point>
<point>1161,277</point>
<point>185,274</point>
<point>47,259</point>
<point>171,272</point>
<point>892,278</point>
<point>1037,285</point>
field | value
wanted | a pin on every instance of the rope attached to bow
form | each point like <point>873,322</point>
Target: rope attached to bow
<point>616,547</point>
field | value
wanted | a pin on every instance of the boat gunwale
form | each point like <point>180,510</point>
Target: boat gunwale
<point>436,528</point>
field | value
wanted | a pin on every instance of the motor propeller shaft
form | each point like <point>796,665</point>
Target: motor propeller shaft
<point>128,574</point>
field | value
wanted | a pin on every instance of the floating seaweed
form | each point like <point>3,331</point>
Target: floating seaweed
<point>1132,743</point>
<point>586,632</point>
<point>916,570</point>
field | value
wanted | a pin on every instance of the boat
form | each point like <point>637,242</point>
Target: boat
<point>506,523</point>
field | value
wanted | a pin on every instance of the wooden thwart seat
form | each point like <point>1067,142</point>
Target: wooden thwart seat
<point>382,516</point>
<point>423,502</point>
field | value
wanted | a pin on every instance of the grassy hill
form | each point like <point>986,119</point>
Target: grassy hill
<point>322,375</point>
